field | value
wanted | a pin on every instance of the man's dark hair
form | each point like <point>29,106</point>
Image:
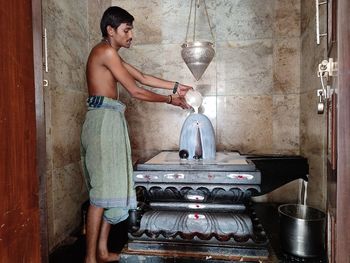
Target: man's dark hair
<point>114,16</point>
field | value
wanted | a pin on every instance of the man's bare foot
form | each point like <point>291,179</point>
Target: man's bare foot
<point>108,257</point>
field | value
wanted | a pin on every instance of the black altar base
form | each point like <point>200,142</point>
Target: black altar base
<point>199,209</point>
<point>266,212</point>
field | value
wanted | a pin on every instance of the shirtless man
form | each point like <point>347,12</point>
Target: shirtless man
<point>104,69</point>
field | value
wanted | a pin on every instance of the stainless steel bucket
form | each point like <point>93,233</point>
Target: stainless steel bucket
<point>302,230</point>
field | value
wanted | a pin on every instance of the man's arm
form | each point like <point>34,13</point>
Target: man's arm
<point>155,82</point>
<point>114,63</point>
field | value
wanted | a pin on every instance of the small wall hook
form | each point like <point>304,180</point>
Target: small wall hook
<point>321,101</point>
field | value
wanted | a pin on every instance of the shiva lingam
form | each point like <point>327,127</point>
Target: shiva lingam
<point>197,131</point>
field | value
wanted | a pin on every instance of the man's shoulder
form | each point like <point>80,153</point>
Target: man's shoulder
<point>103,51</point>
<point>101,48</point>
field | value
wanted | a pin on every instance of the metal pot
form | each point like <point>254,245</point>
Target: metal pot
<point>194,99</point>
<point>302,230</point>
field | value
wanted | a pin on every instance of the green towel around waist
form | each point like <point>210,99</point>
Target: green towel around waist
<point>106,155</point>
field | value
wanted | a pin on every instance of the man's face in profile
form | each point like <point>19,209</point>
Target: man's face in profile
<point>123,34</point>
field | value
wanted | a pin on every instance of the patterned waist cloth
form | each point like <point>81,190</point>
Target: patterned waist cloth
<point>101,102</point>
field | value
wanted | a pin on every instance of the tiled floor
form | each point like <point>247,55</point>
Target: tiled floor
<point>267,213</point>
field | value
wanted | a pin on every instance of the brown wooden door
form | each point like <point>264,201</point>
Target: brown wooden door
<point>20,125</point>
<point>338,139</point>
<point>342,248</point>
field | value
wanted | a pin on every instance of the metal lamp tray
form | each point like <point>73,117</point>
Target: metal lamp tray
<point>224,161</point>
<point>227,168</point>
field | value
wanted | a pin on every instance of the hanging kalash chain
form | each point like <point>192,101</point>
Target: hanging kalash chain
<point>197,54</point>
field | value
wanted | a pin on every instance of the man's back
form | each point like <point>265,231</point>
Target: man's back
<point>100,79</point>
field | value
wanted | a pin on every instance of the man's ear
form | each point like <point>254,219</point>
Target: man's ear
<point>110,30</point>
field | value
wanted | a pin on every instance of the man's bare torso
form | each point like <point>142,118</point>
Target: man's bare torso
<point>100,80</point>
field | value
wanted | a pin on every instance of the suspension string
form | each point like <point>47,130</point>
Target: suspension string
<point>188,22</point>
<point>196,5</point>
<point>194,22</point>
<point>206,12</point>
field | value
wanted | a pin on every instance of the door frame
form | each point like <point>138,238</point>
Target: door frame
<point>40,124</point>
<point>343,134</point>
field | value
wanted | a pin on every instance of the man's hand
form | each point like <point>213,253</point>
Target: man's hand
<point>182,90</point>
<point>180,101</point>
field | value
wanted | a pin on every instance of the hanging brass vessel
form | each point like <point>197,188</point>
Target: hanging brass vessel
<point>197,56</point>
